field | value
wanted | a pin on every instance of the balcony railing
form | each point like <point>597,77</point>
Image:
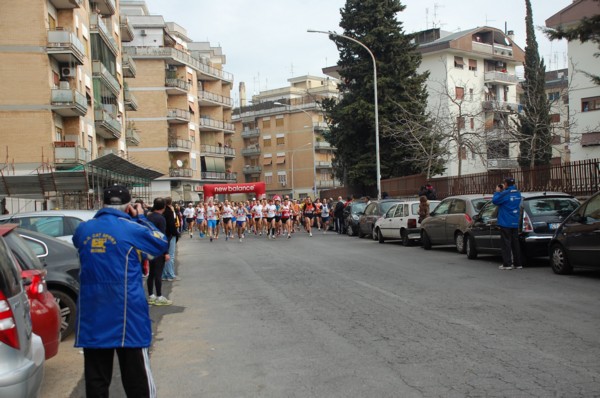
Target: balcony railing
<point>67,152</point>
<point>215,149</point>
<point>127,33</point>
<point>130,100</point>
<point>99,71</point>
<point>323,165</point>
<point>178,56</point>
<point>66,4</point>
<point>251,133</point>
<point>106,126</point>
<point>97,26</point>
<point>252,169</point>
<point>69,103</point>
<point>105,7</point>
<point>320,126</point>
<point>328,183</point>
<point>179,115</point>
<point>129,66</point>
<point>323,145</point>
<point>206,97</point>
<point>251,151</point>
<point>217,175</point>
<point>65,47</point>
<point>211,124</point>
<point>501,106</point>
<point>132,137</point>
<point>180,86</point>
<point>502,164</point>
<point>495,49</point>
<point>500,77</point>
<point>181,172</point>
<point>179,145</point>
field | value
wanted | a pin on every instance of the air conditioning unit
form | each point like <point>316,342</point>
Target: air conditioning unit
<point>68,72</point>
<point>143,32</point>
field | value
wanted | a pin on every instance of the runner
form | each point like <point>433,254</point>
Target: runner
<point>227,214</point>
<point>308,212</point>
<point>240,220</point>
<point>265,224</point>
<point>270,212</point>
<point>200,219</point>
<point>286,212</point>
<point>296,216</point>
<point>317,216</point>
<point>211,216</point>
<point>325,210</point>
<point>277,215</point>
<point>257,213</point>
<point>190,218</point>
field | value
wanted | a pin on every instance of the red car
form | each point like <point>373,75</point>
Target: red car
<point>45,312</point>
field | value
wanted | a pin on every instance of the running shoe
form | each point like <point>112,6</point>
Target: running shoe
<point>289,236</point>
<point>240,240</point>
<point>211,238</point>
<point>151,299</point>
<point>226,238</point>
<point>162,300</point>
<point>310,233</point>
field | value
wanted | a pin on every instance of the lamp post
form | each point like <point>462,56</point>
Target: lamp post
<point>293,152</point>
<point>377,160</point>
<point>312,126</point>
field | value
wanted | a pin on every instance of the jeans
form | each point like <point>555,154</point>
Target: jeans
<point>169,271</point>
<point>339,225</point>
<point>511,250</point>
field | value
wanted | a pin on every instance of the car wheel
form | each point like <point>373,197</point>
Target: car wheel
<point>350,230</point>
<point>559,260</point>
<point>426,241</point>
<point>405,240</point>
<point>68,312</point>
<point>470,247</point>
<point>378,235</point>
<point>459,241</point>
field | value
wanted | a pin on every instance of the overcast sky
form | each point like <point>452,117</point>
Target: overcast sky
<point>266,42</point>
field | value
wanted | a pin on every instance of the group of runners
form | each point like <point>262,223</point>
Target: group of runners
<point>272,217</point>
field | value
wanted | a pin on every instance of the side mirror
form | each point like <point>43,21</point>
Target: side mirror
<point>578,218</point>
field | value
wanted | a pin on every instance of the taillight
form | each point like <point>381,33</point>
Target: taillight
<point>527,225</point>
<point>468,218</point>
<point>37,285</point>
<point>412,223</point>
<point>8,326</point>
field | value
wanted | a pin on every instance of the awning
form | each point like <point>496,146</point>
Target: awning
<point>280,159</point>
<point>116,164</point>
<point>267,161</point>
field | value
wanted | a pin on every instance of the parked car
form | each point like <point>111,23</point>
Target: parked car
<point>351,216</point>
<point>541,214</point>
<point>576,242</point>
<point>21,350</point>
<point>61,261</point>
<point>401,222</point>
<point>45,312</point>
<point>56,223</point>
<point>447,224</point>
<point>374,210</point>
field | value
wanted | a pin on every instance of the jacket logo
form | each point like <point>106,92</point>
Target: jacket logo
<point>98,242</point>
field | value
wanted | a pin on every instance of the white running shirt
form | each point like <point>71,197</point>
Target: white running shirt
<point>211,213</point>
<point>271,211</point>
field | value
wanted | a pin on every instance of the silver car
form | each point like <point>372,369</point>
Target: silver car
<point>21,351</point>
<point>59,224</point>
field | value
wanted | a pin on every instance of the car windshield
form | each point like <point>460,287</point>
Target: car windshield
<point>542,207</point>
<point>432,205</point>
<point>385,206</point>
<point>358,207</point>
<point>478,203</point>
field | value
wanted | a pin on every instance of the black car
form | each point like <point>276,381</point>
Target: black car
<point>541,214</point>
<point>576,242</point>
<point>373,212</point>
<point>351,216</point>
<point>61,261</point>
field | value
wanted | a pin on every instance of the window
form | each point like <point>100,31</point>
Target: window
<point>590,139</point>
<point>279,121</point>
<point>462,152</point>
<point>553,96</point>
<point>592,211</point>
<point>458,63</point>
<point>473,64</point>
<point>460,92</point>
<point>268,178</point>
<point>267,142</point>
<point>459,206</point>
<point>590,104</point>
<point>266,123</point>
<point>489,212</point>
<point>555,118</point>
<point>267,160</point>
<point>497,149</point>
<point>460,123</point>
<point>282,178</point>
<point>281,158</point>
<point>470,94</point>
<point>443,207</point>
<point>472,123</point>
<point>280,141</point>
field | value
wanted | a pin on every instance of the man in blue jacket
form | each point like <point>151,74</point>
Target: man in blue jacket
<point>508,199</point>
<point>112,311</point>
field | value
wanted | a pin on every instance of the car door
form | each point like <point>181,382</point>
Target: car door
<point>583,238</point>
<point>435,225</point>
<point>364,219</point>
<point>455,220</point>
<point>386,225</point>
<point>484,226</point>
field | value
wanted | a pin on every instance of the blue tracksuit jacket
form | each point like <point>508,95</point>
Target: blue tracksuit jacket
<point>509,204</point>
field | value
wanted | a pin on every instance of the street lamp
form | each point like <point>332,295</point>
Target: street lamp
<point>312,126</point>
<point>378,163</point>
<point>293,152</point>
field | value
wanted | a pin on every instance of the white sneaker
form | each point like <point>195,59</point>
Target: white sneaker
<point>151,299</point>
<point>310,234</point>
<point>162,300</point>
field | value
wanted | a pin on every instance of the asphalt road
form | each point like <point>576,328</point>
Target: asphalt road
<point>334,316</point>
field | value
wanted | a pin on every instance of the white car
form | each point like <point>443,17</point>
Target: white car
<point>59,224</point>
<point>401,222</point>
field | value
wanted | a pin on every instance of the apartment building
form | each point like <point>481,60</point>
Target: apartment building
<point>583,95</point>
<point>63,102</point>
<point>473,93</point>
<point>184,106</point>
<point>557,90</point>
<point>280,138</point>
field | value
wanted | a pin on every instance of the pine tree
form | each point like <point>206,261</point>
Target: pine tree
<point>535,141</point>
<point>373,23</point>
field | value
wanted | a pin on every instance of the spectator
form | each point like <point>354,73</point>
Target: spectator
<point>338,214</point>
<point>423,208</point>
<point>112,310</point>
<point>172,237</point>
<point>429,191</point>
<point>508,200</point>
<point>157,264</point>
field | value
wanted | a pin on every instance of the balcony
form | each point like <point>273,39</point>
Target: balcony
<point>68,103</point>
<point>320,126</point>
<point>106,125</point>
<point>328,184</point>
<point>181,172</point>
<point>229,152</point>
<point>100,72</point>
<point>178,116</point>
<point>323,165</point>
<point>177,86</point>
<point>251,133</point>
<point>500,106</point>
<point>179,145</point>
<point>97,26</point>
<point>208,124</point>
<point>65,47</point>
<point>129,67</point>
<point>215,149</point>
<point>132,137</point>
<point>496,49</point>
<point>216,175</point>
<point>252,169</point>
<point>323,145</point>
<point>126,28</point>
<point>500,77</point>
<point>176,56</point>
<point>251,150</point>
<point>105,7</point>
<point>66,4</point>
<point>502,164</point>
<point>206,98</point>
<point>131,103</point>
<point>69,153</point>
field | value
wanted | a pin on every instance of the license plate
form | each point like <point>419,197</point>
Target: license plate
<point>553,226</point>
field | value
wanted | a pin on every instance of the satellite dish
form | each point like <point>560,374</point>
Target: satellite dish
<point>179,163</point>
